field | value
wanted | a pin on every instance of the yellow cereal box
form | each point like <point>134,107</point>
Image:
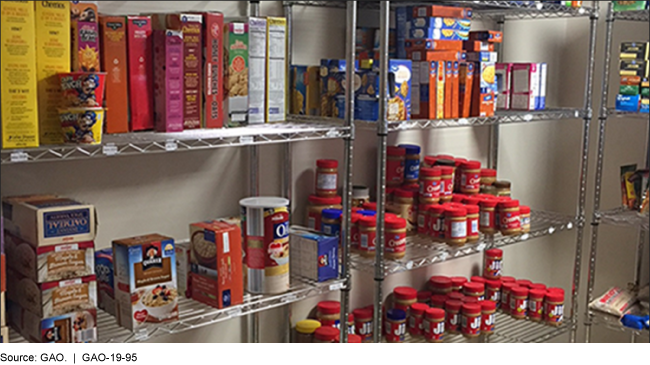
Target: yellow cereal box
<point>276,69</point>
<point>18,75</point>
<point>52,57</point>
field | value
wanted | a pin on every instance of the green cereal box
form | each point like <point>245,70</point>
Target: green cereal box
<point>245,56</point>
<point>305,94</point>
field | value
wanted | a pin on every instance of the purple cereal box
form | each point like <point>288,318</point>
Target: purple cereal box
<point>168,80</point>
<point>85,46</point>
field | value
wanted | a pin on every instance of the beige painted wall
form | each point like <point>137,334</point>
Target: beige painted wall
<point>164,193</point>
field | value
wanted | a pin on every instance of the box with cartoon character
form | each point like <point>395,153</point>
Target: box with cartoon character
<point>82,125</point>
<point>75,327</point>
<point>313,255</point>
<point>399,98</point>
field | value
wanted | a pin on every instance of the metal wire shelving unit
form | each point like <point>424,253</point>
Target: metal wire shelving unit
<point>619,216</point>
<point>420,251</point>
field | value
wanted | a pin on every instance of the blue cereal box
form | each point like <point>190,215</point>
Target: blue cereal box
<point>441,23</point>
<point>627,103</point>
<point>305,90</point>
<point>399,102</point>
<point>314,255</point>
<point>403,15</point>
<point>439,34</point>
<point>105,288</point>
<point>145,281</point>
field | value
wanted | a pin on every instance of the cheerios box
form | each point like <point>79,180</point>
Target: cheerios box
<point>44,220</point>
<point>74,327</point>
<point>105,279</point>
<point>145,280</point>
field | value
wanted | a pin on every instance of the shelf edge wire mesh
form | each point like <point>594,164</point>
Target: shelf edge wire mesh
<point>624,217</point>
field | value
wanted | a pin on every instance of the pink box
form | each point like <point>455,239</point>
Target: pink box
<point>140,47</point>
<point>168,80</point>
<point>504,75</point>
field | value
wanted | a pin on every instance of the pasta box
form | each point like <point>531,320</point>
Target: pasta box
<point>441,23</point>
<point>305,92</point>
<point>466,80</point>
<point>442,11</point>
<point>105,279</point>
<point>399,101</point>
<point>314,255</point>
<point>491,36</point>
<point>74,327</point>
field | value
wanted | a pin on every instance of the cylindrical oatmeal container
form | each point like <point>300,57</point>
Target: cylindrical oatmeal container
<point>82,125</point>
<point>267,244</point>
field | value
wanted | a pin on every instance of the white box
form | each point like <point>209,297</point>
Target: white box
<point>183,268</point>
<point>540,102</point>
<point>276,69</point>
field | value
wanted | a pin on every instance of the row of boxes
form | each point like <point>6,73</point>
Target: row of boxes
<point>521,86</point>
<point>634,91</point>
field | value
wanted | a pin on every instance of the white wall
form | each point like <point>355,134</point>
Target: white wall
<point>164,193</point>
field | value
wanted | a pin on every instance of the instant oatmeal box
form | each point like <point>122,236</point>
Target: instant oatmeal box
<point>145,280</point>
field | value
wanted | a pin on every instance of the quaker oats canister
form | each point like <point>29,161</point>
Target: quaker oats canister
<point>265,227</point>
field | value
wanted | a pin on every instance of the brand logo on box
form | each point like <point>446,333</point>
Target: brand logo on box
<point>66,223</point>
<point>151,256</point>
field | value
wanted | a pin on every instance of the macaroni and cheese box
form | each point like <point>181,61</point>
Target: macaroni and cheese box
<point>18,75</point>
<point>442,11</point>
<point>213,70</point>
<point>635,50</point>
<point>54,298</point>
<point>114,62</point>
<point>52,58</point>
<point>439,34</point>
<point>455,90</point>
<point>75,327</point>
<point>168,80</point>
<point>441,23</point>
<point>217,269</point>
<point>403,17</point>
<point>478,46</point>
<point>433,45</point>
<point>49,220</point>
<point>105,279</point>
<point>305,91</point>
<point>466,80</point>
<point>276,69</point>
<point>191,25</point>
<point>50,263</point>
<point>245,41</point>
<point>314,255</point>
<point>140,53</point>
<point>424,55</point>
<point>145,280</point>
<point>491,36</point>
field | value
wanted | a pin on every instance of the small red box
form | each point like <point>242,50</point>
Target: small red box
<point>442,11</point>
<point>140,45</point>
<point>433,45</point>
<point>213,70</point>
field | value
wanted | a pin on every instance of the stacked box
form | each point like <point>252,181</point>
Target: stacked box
<point>336,85</point>
<point>313,255</point>
<point>168,80</point>
<point>104,271</point>
<point>183,268</point>
<point>114,62</point>
<point>633,94</point>
<point>52,287</point>
<point>630,5</point>
<point>305,90</point>
<point>403,17</point>
<point>213,96</point>
<point>276,69</point>
<point>484,85</point>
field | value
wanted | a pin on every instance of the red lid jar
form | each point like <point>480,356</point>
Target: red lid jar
<point>506,288</point>
<point>457,283</point>
<point>446,183</point>
<point>492,264</point>
<point>395,161</point>
<point>415,319</point>
<point>367,236</point>
<point>477,279</point>
<point>404,203</point>
<point>509,222</point>
<point>434,325</point>
<point>488,177</point>
<point>554,306</point>
<point>524,283</point>
<point>437,223</point>
<point>370,206</point>
<point>470,177</point>
<point>488,310</point>
<point>363,323</point>
<point>327,177</point>
<point>316,206</point>
<point>519,302</point>
<point>430,184</point>
<point>326,335</point>
<point>395,327</point>
<point>454,295</point>
<point>438,301</point>
<point>493,291</point>
<point>404,297</point>
<point>329,313</point>
<point>440,285</point>
<point>429,161</point>
<point>474,290</point>
<point>395,238</point>
<point>471,320</point>
<point>536,304</point>
<point>452,307</point>
<point>424,296</point>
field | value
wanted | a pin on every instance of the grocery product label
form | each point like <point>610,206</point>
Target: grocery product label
<point>458,229</point>
<point>66,223</point>
<point>331,229</point>
<point>326,181</point>
<point>415,326</point>
<point>510,220</point>
<point>470,181</point>
<point>394,171</point>
<point>395,331</point>
<point>412,169</point>
<point>396,242</point>
<point>505,301</point>
<point>471,326</point>
<point>554,313</point>
<point>495,296</point>
<point>487,323</point>
<point>363,329</point>
<point>486,219</point>
<point>312,220</point>
<point>492,267</point>
<point>525,221</point>
<point>535,308</point>
<point>368,241</point>
<point>473,227</point>
<point>276,69</point>
<point>276,241</point>
<point>430,188</point>
<point>447,186</point>
<point>518,306</point>
<point>453,321</point>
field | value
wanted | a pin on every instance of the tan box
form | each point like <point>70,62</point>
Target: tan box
<point>4,335</point>
<point>75,327</point>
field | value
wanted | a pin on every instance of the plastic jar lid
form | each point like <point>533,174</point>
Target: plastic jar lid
<point>350,318</point>
<point>405,293</point>
<point>455,296</point>
<point>488,203</point>
<point>436,209</point>
<point>370,206</point>
<point>327,164</point>
<point>395,151</point>
<point>446,170</point>
<point>396,315</point>
<point>474,287</point>
<point>307,326</point>
<point>360,192</point>
<point>326,334</point>
<point>459,161</point>
<point>488,305</point>
<point>537,287</point>
<point>423,208</point>
<point>488,173</point>
<point>367,213</point>
<point>472,209</point>
<point>368,221</point>
<point>537,294</point>
<point>329,307</point>
<point>403,193</point>
<point>505,204</point>
<point>507,279</point>
<point>524,209</point>
<point>411,149</point>
<point>477,279</point>
<point>519,291</point>
<point>471,308</point>
<point>458,198</point>
<point>456,212</point>
<point>389,216</point>
<point>524,283</point>
<point>354,338</point>
<point>317,200</point>
<point>507,286</point>
<point>395,223</point>
<point>458,280</point>
<point>445,157</point>
<point>362,313</point>
<point>331,213</point>
<point>354,217</point>
<point>495,252</point>
<point>440,282</point>
<point>424,295</point>
<point>430,160</point>
<point>472,200</point>
<point>438,300</point>
<point>418,309</point>
<point>453,305</point>
<point>471,165</point>
<point>493,284</point>
<point>502,184</point>
<point>430,171</point>
<point>468,299</point>
<point>558,290</point>
<point>555,296</point>
<point>435,313</point>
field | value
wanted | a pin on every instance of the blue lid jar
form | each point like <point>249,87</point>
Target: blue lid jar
<point>367,213</point>
<point>331,213</point>
<point>396,315</point>
<point>411,149</point>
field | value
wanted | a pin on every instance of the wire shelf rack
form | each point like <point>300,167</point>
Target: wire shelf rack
<point>296,129</point>
<point>627,115</point>
<point>421,251</point>
<point>196,315</point>
<point>488,9</point>
<point>613,323</point>
<point>624,217</point>
<point>633,15</point>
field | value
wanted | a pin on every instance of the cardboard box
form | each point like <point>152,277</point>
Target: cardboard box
<point>628,103</point>
<point>635,50</point>
<point>540,99</point>
<point>168,80</point>
<point>140,52</point>
<point>478,46</point>
<point>634,68</point>
<point>192,26</point>
<point>217,270</point>
<point>54,298</point>
<point>399,102</point>
<point>438,56</point>
<point>52,57</point>
<point>439,34</point>
<point>449,73</point>
<point>328,84</point>
<point>145,281</point>
<point>630,5</point>
<point>503,78</point>
<point>276,69</point>
<point>18,75</point>
<point>525,86</point>
<point>4,334</point>
<point>437,89</point>
<point>433,45</point>
<point>305,93</point>
<point>455,90</point>
<point>313,255</point>
<point>491,36</point>
<point>48,220</point>
<point>50,263</point>
<point>3,319</point>
<point>75,327</point>
<point>213,97</point>
<point>105,278</point>
<point>365,38</point>
<point>630,80</point>
<point>114,62</point>
<point>442,11</point>
<point>441,23</point>
<point>183,268</point>
<point>85,46</point>
<point>83,11</point>
<point>415,90</point>
<point>246,81</point>
<point>403,17</point>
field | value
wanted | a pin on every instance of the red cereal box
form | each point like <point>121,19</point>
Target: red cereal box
<point>213,70</point>
<point>140,50</point>
<point>168,80</point>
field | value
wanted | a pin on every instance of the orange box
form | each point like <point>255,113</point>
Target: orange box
<point>478,46</point>
<point>441,11</point>
<point>630,80</point>
<point>441,55</point>
<point>449,74</point>
<point>112,31</point>
<point>482,103</point>
<point>492,36</point>
<point>455,91</point>
<point>436,90</point>
<point>466,78</point>
<point>433,45</point>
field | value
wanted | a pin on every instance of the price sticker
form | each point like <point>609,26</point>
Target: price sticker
<point>332,133</point>
<point>19,156</point>
<point>336,286</point>
<point>246,139</point>
<point>234,312</point>
<point>289,298</point>
<point>109,149</point>
<point>171,145</point>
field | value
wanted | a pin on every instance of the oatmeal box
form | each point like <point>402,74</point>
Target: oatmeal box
<point>104,272</point>
<point>75,327</point>
<point>145,280</point>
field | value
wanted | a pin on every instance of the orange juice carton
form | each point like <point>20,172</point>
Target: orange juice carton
<point>433,45</point>
<point>504,74</point>
<point>145,281</point>
<point>18,75</point>
<point>478,46</point>
<point>213,96</point>
<point>525,81</point>
<point>192,26</point>
<point>216,251</point>
<point>105,278</point>
<point>74,327</point>
<point>466,79</point>
<point>168,80</point>
<point>52,57</point>
<point>140,51</point>
<point>491,36</point>
<point>276,69</point>
<point>442,11</point>
<point>305,90</point>
<point>441,23</point>
<point>112,30</point>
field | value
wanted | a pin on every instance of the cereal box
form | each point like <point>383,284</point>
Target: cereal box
<point>305,90</point>
<point>276,69</point>
<point>455,90</point>
<point>18,75</point>
<point>245,42</point>
<point>75,327</point>
<point>49,220</point>
<point>145,275</point>
<point>85,46</point>
<point>525,86</point>
<point>52,57</point>
<point>168,80</point>
<point>436,89</point>
<point>50,263</point>
<point>140,52</point>
<point>114,62</point>
<point>213,70</point>
<point>466,80</point>
<point>105,276</point>
<point>328,86</point>
<point>191,25</point>
<point>503,73</point>
<point>433,45</point>
<point>216,253</point>
<point>183,268</point>
<point>313,255</point>
<point>83,11</point>
<point>478,46</point>
<point>635,50</point>
<point>441,23</point>
<point>442,11</point>
<point>403,15</point>
<point>53,298</point>
<point>439,34</point>
<point>491,36</point>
